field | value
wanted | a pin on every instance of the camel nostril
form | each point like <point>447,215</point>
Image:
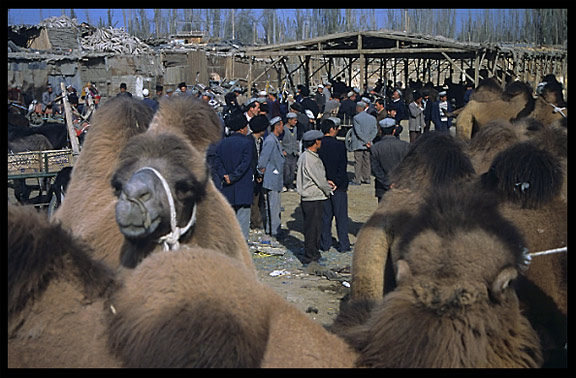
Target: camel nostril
<point>140,187</point>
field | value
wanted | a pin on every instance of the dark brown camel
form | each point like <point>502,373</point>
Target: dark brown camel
<point>453,306</point>
<point>434,161</point>
<point>56,296</point>
<point>529,181</point>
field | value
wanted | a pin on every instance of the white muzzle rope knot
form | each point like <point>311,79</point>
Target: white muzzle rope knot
<point>171,241</point>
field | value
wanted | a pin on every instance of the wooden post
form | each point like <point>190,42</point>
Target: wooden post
<point>250,77</point>
<point>361,63</point>
<point>69,123</point>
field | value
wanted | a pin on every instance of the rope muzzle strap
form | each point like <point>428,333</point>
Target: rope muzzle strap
<point>171,241</point>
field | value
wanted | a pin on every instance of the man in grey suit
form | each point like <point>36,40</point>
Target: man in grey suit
<point>416,120</point>
<point>271,165</point>
<point>364,130</point>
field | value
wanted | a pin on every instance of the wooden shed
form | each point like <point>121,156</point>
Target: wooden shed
<point>400,56</point>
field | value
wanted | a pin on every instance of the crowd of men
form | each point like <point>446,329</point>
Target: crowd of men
<point>274,145</point>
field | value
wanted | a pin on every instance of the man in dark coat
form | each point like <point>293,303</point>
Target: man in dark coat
<point>385,155</point>
<point>234,164</point>
<point>333,155</point>
<point>347,109</point>
<point>441,113</point>
<point>398,103</point>
<point>307,102</point>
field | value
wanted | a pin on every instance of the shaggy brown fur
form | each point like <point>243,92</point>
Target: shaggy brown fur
<point>89,207</point>
<point>515,102</point>
<point>434,161</point>
<point>55,296</point>
<point>202,309</point>
<point>540,211</point>
<point>453,306</point>
<point>497,136</point>
<point>195,125</point>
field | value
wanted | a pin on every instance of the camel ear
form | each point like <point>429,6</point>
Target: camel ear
<point>403,272</point>
<point>502,281</point>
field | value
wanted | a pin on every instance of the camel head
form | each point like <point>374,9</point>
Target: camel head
<point>159,180</point>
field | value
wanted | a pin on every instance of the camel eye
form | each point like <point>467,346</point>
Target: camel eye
<point>116,185</point>
<point>183,189</point>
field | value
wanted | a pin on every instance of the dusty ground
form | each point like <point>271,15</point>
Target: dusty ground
<point>318,294</point>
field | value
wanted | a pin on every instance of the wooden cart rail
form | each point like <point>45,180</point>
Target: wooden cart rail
<point>38,164</point>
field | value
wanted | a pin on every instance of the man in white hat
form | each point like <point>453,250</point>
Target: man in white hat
<point>440,113</point>
<point>320,98</point>
<point>385,155</point>
<point>153,104</point>
<point>271,166</point>
<point>314,189</point>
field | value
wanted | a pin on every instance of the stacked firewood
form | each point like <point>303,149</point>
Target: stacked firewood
<point>114,40</point>
<point>100,39</point>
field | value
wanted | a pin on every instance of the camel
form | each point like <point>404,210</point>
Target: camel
<point>433,161</point>
<point>56,294</point>
<point>530,182</point>
<point>192,307</point>
<point>188,307</point>
<point>489,103</point>
<point>170,145</point>
<point>453,305</point>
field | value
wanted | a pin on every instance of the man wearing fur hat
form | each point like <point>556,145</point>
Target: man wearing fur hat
<point>234,164</point>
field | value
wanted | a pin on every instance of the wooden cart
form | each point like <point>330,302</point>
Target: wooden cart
<point>41,166</point>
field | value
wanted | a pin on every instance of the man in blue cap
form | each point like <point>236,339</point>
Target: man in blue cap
<point>314,189</point>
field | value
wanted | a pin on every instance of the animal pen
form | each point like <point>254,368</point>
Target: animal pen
<point>400,56</point>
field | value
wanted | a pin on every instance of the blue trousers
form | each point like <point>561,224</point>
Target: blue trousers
<point>335,207</point>
<point>272,202</point>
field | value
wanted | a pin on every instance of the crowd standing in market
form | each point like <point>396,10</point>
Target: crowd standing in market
<point>276,141</point>
<point>295,147</point>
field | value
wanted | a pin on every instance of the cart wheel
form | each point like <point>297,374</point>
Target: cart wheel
<point>36,119</point>
<point>53,205</point>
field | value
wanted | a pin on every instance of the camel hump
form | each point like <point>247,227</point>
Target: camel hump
<point>486,91</point>
<point>526,175</point>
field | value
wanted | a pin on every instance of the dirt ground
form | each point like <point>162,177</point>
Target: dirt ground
<point>316,293</point>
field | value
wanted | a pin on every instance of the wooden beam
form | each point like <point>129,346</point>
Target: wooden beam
<point>460,69</point>
<point>69,125</point>
<point>356,52</point>
<point>268,68</point>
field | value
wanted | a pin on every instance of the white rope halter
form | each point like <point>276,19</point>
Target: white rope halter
<point>549,252</point>
<point>539,90</point>
<point>527,257</point>
<point>171,240</point>
<point>556,109</point>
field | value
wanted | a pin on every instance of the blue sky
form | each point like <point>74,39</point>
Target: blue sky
<point>35,15</point>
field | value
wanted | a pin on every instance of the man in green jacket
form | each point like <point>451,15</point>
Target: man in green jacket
<point>314,189</point>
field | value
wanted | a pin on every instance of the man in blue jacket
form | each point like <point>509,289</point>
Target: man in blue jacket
<point>271,166</point>
<point>233,162</point>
